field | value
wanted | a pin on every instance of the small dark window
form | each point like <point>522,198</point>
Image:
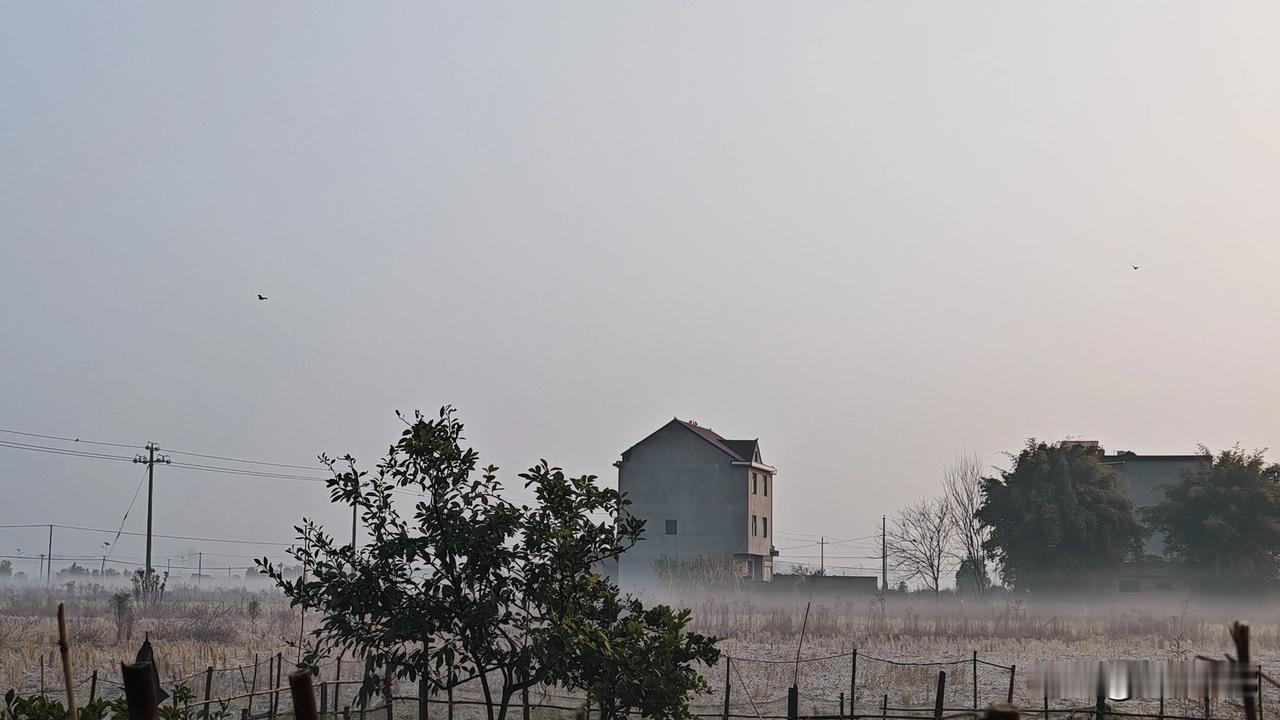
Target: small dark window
<point>764,526</point>
<point>766,484</point>
<point>754,480</point>
<point>753,526</point>
<point>671,527</point>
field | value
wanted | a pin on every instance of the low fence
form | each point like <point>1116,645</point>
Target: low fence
<point>852,685</point>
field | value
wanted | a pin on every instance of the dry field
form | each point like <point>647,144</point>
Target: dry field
<point>192,631</point>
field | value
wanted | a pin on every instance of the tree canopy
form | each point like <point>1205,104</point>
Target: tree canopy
<point>474,588</point>
<point>1222,518</point>
<point>1059,518</point>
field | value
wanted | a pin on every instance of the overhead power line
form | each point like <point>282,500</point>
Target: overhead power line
<point>142,534</point>
<point>71,439</point>
<point>62,451</point>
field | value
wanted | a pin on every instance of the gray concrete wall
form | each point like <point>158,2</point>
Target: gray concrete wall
<point>676,475</point>
<point>1144,480</point>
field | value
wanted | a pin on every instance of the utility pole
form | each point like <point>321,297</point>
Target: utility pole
<point>199,568</point>
<point>822,555</point>
<point>48,578</point>
<point>884,556</point>
<point>150,460</point>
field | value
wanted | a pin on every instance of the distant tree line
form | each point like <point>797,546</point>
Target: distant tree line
<point>1059,519</point>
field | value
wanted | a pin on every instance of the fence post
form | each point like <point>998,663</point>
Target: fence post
<point>275,697</point>
<point>361,699</point>
<point>727,689</point>
<point>64,648</point>
<point>1259,691</point>
<point>139,690</point>
<point>975,680</point>
<point>424,691</point>
<point>449,697</point>
<point>853,684</point>
<point>324,697</point>
<point>524,703</point>
<point>884,707</point>
<point>940,696</point>
<point>841,705</point>
<point>208,687</point>
<point>1100,709</point>
<point>793,702</point>
<point>386,690</point>
<point>1013,671</point>
<point>303,695</point>
<point>253,687</point>
<point>337,686</point>
<point>271,673</point>
<point>1046,705</point>
<point>93,685</point>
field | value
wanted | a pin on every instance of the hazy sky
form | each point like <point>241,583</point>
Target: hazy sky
<point>871,234</point>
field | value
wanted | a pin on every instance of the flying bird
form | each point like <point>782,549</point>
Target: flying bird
<point>1135,267</point>
<point>264,297</point>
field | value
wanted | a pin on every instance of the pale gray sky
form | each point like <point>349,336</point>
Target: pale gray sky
<point>872,234</point>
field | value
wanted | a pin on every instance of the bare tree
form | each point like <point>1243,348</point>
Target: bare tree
<point>962,491</point>
<point>921,540</point>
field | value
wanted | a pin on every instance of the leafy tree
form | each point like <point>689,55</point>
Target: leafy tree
<point>1222,518</point>
<point>1059,518</point>
<point>636,660</point>
<point>472,587</point>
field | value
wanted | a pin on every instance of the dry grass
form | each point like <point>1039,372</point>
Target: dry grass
<point>192,631</point>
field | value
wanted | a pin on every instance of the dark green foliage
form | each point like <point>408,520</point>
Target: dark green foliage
<point>1059,519</point>
<point>633,659</point>
<point>971,581</point>
<point>473,587</point>
<point>1222,519</point>
<point>41,707</point>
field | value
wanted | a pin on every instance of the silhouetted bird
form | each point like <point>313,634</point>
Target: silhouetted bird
<point>264,297</point>
<point>1135,267</point>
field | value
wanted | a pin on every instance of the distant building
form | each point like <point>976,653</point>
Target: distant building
<point>1145,477</point>
<point>703,497</point>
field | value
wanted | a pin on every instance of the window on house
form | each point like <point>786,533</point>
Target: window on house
<point>671,527</point>
<point>753,526</point>
<point>766,484</point>
<point>764,527</point>
<point>754,480</point>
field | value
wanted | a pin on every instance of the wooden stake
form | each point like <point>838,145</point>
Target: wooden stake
<point>139,690</point>
<point>303,694</point>
<point>853,684</point>
<point>64,648</point>
<point>208,689</point>
<point>253,688</point>
<point>727,687</point>
<point>93,686</point>
<point>940,695</point>
<point>975,680</point>
<point>1013,672</point>
<point>1239,635</point>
